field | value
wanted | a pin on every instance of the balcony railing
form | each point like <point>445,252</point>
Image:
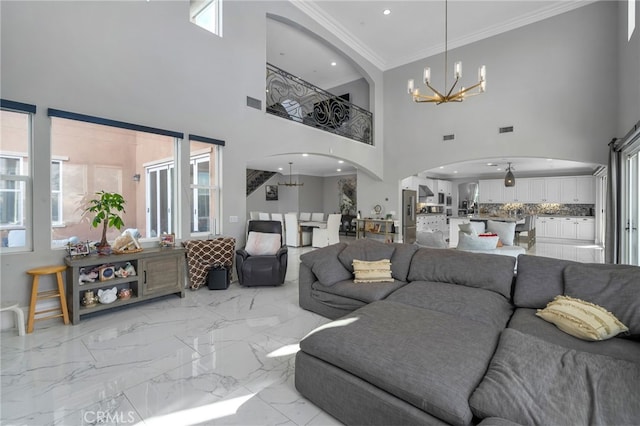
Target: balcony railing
<point>293,98</point>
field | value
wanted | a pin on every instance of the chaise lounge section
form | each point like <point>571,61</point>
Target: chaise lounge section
<point>447,340</point>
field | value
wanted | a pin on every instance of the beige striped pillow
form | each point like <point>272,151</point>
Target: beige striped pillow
<point>378,271</point>
<point>581,319</point>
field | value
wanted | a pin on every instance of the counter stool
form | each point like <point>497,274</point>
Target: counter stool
<point>19,319</point>
<point>50,294</point>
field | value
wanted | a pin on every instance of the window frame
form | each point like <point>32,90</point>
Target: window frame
<point>215,184</point>
<point>24,179</point>
<point>197,9</point>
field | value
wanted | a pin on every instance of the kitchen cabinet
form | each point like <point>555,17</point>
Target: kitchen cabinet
<point>537,190</point>
<point>568,228</point>
<point>443,186</point>
<point>491,191</point>
<point>548,227</point>
<point>578,190</point>
<point>518,193</point>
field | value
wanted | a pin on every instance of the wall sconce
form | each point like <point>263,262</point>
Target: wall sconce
<point>136,177</point>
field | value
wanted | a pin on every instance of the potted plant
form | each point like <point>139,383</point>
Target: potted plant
<point>107,208</point>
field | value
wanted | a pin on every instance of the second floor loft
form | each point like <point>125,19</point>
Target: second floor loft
<point>292,98</point>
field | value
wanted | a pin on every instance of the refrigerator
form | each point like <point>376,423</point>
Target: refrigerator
<point>409,198</point>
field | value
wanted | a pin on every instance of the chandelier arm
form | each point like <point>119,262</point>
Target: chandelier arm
<point>436,92</point>
<point>463,93</point>
<point>453,87</point>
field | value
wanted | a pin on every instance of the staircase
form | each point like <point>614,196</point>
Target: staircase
<point>255,179</point>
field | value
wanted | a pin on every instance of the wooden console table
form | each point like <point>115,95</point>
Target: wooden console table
<point>373,228</point>
<point>159,272</point>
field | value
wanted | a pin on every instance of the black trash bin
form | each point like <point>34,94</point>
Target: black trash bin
<point>218,278</point>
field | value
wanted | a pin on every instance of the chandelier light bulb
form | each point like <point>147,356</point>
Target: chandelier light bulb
<point>457,70</point>
<point>427,75</point>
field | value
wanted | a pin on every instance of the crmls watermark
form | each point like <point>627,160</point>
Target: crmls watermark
<point>117,417</point>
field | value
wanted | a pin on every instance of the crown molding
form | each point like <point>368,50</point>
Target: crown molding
<point>325,20</point>
<point>328,23</point>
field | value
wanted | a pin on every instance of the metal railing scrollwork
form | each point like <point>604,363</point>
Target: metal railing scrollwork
<point>294,99</point>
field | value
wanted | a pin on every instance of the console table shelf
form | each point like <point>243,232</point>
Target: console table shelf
<point>159,272</point>
<point>374,227</point>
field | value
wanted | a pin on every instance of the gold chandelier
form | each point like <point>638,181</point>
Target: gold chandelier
<point>290,183</point>
<point>450,96</point>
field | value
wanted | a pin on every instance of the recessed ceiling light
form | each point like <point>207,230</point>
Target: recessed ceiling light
<point>305,155</point>
<point>338,170</point>
<point>498,169</point>
<point>341,161</point>
<point>549,159</point>
<point>387,11</point>
<point>442,167</point>
<point>455,171</point>
<point>333,64</point>
<point>280,168</point>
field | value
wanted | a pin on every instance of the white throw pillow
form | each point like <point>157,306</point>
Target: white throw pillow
<point>474,242</point>
<point>505,230</point>
<point>377,271</point>
<point>431,239</point>
<point>581,319</point>
<point>262,243</point>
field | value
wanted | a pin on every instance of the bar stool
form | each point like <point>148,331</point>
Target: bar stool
<point>19,319</point>
<point>50,294</point>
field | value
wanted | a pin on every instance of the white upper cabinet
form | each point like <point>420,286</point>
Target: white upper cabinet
<point>491,191</point>
<point>566,190</point>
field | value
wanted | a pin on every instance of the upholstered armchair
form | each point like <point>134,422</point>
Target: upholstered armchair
<point>263,261</point>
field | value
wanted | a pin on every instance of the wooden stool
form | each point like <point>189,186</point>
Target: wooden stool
<point>50,294</point>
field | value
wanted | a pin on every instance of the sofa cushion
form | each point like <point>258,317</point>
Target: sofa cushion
<point>581,319</point>
<point>401,260</point>
<point>526,321</point>
<point>325,264</point>
<point>478,270</point>
<point>429,359</point>
<point>368,293</point>
<point>378,271</point>
<point>505,230</point>
<point>365,249</point>
<point>433,239</point>
<point>614,287</point>
<point>570,387</point>
<point>539,280</point>
<point>471,303</point>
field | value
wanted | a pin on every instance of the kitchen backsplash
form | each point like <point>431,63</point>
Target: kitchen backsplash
<point>539,209</point>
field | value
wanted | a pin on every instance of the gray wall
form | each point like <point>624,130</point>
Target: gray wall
<point>628,72</point>
<point>143,62</point>
<point>358,92</point>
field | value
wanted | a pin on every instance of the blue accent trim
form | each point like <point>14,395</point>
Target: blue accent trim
<point>17,106</point>
<point>206,140</point>
<point>113,123</point>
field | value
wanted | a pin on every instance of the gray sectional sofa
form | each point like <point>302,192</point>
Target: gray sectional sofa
<point>455,340</point>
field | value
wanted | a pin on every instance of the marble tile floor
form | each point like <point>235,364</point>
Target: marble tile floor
<point>214,357</point>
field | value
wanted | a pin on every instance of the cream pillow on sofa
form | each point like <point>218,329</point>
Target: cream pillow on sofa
<point>378,271</point>
<point>505,230</point>
<point>581,319</point>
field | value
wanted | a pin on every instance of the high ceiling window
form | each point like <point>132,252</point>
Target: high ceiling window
<point>207,14</point>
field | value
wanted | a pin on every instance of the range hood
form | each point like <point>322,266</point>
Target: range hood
<point>424,192</point>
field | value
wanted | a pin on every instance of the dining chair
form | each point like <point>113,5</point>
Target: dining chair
<point>305,217</point>
<point>317,217</point>
<point>264,216</point>
<point>295,237</point>
<point>323,237</point>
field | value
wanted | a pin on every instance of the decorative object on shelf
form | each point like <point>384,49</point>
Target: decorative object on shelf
<point>107,296</point>
<point>106,208</point>
<point>128,267</point>
<point>167,240</point>
<point>106,272</point>
<point>87,277</point>
<point>377,210</point>
<point>509,179</point>
<point>126,243</point>
<point>124,294</point>
<point>448,96</point>
<point>290,183</point>
<point>78,249</point>
<point>271,192</point>
<point>89,299</point>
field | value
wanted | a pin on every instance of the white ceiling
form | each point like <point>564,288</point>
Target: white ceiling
<point>413,30</point>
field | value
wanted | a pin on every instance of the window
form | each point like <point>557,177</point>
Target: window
<point>91,154</point>
<point>56,192</point>
<point>205,190</point>
<point>207,14</point>
<point>15,176</point>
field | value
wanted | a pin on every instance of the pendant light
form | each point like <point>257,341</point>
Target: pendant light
<point>509,179</point>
